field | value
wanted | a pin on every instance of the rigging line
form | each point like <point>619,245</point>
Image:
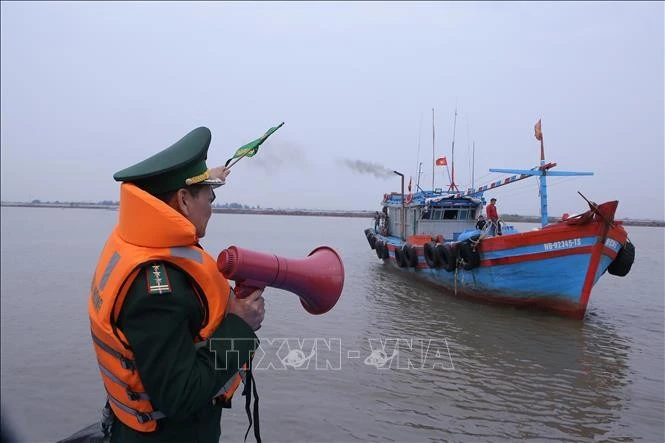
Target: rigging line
<point>482,177</point>
<point>420,130</point>
<point>516,188</point>
<point>522,189</point>
<point>468,146</point>
<point>561,180</point>
<point>496,177</point>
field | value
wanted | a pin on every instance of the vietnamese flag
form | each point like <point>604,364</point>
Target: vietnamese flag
<point>441,161</point>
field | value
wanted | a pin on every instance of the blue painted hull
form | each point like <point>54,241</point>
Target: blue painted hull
<point>553,268</point>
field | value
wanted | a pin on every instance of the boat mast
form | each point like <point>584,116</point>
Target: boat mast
<point>433,138</point>
<point>453,186</point>
<point>420,131</point>
<point>542,172</point>
<point>473,166</point>
<point>468,137</point>
<point>543,178</point>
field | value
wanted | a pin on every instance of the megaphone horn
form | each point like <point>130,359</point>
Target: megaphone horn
<point>317,279</point>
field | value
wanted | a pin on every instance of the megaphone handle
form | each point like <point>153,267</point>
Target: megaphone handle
<point>243,291</point>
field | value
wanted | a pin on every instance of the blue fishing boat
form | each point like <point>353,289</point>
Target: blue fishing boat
<point>433,234</point>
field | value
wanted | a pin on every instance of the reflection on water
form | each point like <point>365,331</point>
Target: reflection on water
<point>517,374</point>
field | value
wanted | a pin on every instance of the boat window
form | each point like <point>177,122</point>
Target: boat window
<point>436,214</point>
<point>450,214</point>
<point>463,214</point>
<point>472,214</point>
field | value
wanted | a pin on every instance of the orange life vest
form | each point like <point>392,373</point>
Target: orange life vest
<point>148,230</point>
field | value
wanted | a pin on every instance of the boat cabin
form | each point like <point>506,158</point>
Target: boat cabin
<point>430,213</point>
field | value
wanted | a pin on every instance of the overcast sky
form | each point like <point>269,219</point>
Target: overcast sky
<point>90,88</point>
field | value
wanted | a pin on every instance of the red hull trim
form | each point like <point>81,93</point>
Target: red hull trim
<point>535,256</point>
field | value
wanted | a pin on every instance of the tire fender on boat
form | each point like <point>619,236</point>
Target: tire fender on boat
<point>399,258</point>
<point>431,257</point>
<point>622,263</point>
<point>447,253</point>
<point>370,235</point>
<point>378,248</point>
<point>385,253</point>
<point>410,255</point>
<point>470,257</point>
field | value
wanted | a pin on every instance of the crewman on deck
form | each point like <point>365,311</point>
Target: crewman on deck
<point>162,316</point>
<point>480,224</point>
<point>493,216</point>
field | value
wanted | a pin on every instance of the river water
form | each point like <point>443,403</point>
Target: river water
<point>395,360</point>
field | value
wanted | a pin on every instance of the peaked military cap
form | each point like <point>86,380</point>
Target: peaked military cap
<point>181,164</point>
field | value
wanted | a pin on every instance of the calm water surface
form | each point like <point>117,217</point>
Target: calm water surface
<point>460,370</point>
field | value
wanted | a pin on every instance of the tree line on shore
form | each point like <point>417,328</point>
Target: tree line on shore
<point>233,205</point>
<point>244,208</point>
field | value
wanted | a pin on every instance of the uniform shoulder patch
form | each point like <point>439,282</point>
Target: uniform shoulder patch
<point>157,279</point>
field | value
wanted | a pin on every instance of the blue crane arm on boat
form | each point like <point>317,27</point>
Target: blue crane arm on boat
<point>538,172</point>
<point>542,172</point>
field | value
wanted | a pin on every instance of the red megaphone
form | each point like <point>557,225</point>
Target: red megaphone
<point>318,279</point>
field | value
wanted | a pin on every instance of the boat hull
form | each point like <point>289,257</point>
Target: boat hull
<point>553,268</point>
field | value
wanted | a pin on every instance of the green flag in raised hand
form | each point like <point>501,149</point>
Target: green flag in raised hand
<point>251,148</point>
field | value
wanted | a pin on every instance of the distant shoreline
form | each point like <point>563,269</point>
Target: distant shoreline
<point>301,212</point>
<point>305,212</point>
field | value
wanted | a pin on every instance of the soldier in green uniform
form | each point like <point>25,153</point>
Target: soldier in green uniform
<point>163,308</point>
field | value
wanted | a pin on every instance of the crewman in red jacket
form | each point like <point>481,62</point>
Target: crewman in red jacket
<point>493,217</point>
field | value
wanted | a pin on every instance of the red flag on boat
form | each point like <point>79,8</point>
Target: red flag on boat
<point>539,132</point>
<point>409,184</point>
<point>441,161</point>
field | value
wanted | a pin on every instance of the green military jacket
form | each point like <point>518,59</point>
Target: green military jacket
<point>180,380</point>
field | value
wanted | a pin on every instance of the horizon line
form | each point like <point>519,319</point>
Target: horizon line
<point>103,204</point>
